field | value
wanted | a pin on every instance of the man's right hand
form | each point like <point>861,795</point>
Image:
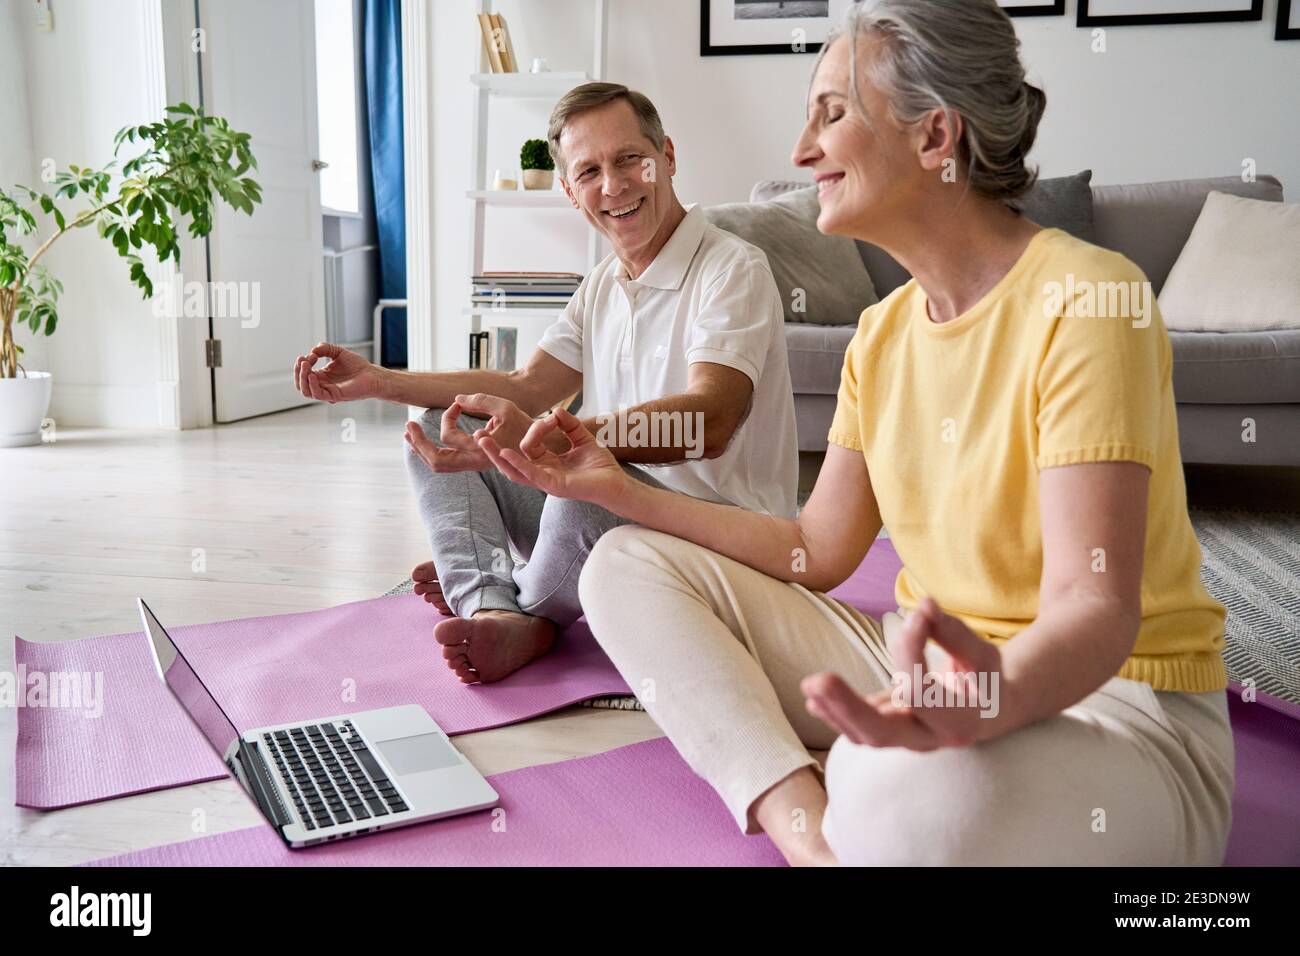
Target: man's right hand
<point>346,378</point>
<point>458,450</point>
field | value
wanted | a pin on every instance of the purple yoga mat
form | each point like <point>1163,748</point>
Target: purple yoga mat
<point>1266,806</point>
<point>634,806</point>
<point>641,806</point>
<point>268,670</point>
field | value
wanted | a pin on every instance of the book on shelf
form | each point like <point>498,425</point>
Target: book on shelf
<point>497,43</point>
<point>507,45</point>
<point>478,349</point>
<point>538,290</point>
<point>494,348</point>
<point>528,278</point>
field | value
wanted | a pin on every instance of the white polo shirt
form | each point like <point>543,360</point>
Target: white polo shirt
<point>708,296</point>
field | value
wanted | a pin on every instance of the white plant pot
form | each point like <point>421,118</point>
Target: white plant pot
<point>23,404</point>
<point>539,178</point>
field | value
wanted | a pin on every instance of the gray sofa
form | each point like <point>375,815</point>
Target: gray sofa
<point>1219,378</point>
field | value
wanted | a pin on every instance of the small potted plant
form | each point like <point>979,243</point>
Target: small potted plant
<point>186,158</point>
<point>537,165</point>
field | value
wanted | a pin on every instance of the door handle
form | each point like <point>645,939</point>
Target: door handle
<point>318,164</point>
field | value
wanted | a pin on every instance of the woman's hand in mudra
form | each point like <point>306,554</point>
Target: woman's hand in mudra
<point>946,709</point>
<point>586,471</point>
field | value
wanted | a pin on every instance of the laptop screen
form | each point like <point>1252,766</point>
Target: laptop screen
<point>188,689</point>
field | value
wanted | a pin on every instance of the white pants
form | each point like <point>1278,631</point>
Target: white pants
<point>716,651</point>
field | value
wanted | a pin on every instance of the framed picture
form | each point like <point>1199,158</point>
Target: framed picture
<point>1032,8</point>
<point>739,27</point>
<point>1288,20</point>
<point>1118,13</point>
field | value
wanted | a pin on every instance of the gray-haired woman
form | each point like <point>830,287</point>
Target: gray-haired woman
<point>1052,690</point>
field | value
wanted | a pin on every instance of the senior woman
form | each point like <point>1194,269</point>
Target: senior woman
<point>1021,448</point>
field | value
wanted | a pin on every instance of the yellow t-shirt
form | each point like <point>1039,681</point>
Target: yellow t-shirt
<point>1064,361</point>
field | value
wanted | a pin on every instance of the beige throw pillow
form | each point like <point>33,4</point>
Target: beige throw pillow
<point>1239,271</point>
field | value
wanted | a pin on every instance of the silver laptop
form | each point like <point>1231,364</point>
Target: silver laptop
<point>331,777</point>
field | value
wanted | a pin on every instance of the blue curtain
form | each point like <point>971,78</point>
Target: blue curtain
<point>383,52</point>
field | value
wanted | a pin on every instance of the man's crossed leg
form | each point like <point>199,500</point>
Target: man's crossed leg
<point>504,616</point>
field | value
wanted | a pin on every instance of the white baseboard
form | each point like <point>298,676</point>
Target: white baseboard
<point>105,406</point>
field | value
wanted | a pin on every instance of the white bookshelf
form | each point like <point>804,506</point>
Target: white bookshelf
<point>529,85</point>
<point>488,87</point>
<point>523,312</point>
<point>519,197</point>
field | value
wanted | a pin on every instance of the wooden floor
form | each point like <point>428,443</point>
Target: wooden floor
<point>285,515</point>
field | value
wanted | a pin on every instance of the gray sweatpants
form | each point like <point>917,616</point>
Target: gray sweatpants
<point>472,518</point>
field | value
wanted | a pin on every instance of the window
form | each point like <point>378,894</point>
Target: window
<point>336,105</point>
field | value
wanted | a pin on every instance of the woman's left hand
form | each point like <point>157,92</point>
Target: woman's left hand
<point>587,471</point>
<point>897,716</point>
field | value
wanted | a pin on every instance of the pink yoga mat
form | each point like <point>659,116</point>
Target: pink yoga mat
<point>641,806</point>
<point>268,670</point>
<point>634,806</point>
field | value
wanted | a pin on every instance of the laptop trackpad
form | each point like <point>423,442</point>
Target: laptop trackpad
<point>418,753</point>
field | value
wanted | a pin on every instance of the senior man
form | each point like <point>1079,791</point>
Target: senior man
<point>676,343</point>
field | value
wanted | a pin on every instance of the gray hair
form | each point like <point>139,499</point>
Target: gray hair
<point>960,56</point>
<point>588,96</point>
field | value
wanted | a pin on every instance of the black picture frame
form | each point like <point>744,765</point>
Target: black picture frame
<point>1284,29</point>
<point>744,49</point>
<point>1054,8</point>
<point>1087,19</point>
<point>1049,8</point>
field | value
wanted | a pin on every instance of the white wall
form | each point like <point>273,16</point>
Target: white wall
<point>1164,102</point>
<point>85,80</point>
<point>16,161</point>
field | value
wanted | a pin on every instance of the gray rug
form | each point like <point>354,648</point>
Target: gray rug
<point>1251,565</point>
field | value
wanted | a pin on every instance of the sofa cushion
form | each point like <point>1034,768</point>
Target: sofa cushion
<point>1236,368</point>
<point>1063,202</point>
<point>1240,269</point>
<point>817,356</point>
<point>820,278</point>
<point>1150,222</point>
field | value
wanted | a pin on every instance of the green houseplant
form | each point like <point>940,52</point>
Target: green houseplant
<point>537,165</point>
<point>186,161</point>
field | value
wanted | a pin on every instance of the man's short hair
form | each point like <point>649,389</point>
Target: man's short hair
<point>588,96</point>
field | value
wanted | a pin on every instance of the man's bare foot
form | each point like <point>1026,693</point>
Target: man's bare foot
<point>492,644</point>
<point>425,577</point>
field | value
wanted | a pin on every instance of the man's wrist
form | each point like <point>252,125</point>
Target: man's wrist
<point>386,384</point>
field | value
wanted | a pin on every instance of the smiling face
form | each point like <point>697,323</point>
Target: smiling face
<point>869,171</point>
<point>622,184</point>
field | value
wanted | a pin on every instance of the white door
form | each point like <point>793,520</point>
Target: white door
<point>259,72</point>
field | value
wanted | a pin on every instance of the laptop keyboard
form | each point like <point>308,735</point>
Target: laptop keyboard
<point>331,774</point>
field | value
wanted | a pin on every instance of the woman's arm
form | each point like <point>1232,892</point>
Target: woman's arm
<point>1094,520</point>
<point>819,549</point>
<point>1090,605</point>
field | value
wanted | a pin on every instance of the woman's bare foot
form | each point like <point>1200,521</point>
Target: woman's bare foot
<point>791,814</point>
<point>492,644</point>
<point>425,577</point>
